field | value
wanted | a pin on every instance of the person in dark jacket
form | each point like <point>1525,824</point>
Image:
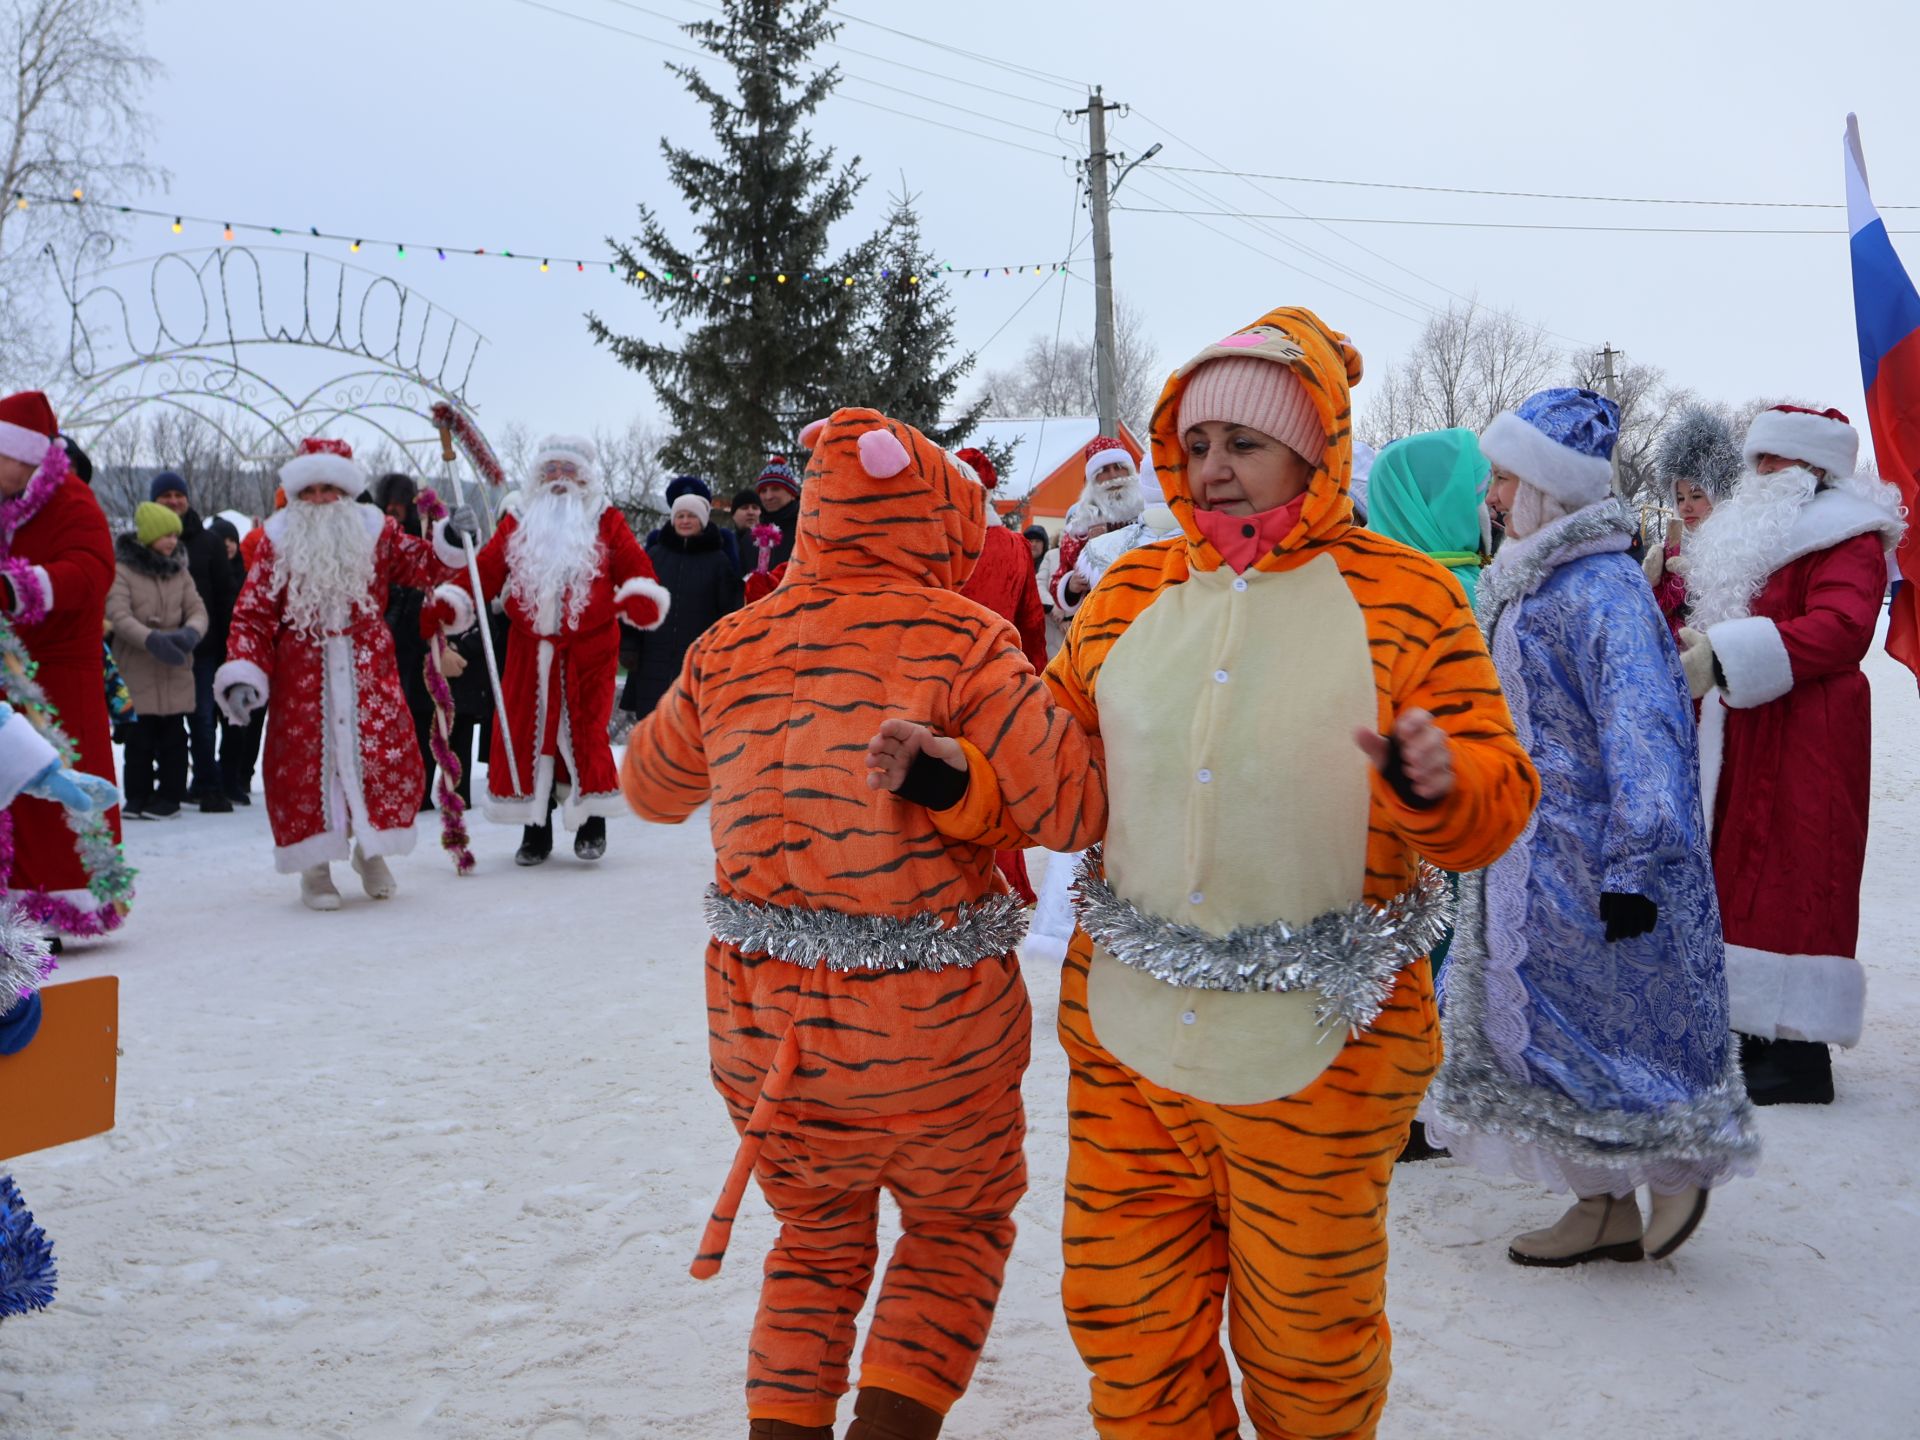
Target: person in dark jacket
<point>397,494</point>
<point>239,744</point>
<point>694,485</point>
<point>207,563</point>
<point>691,562</point>
<point>779,490</point>
<point>745,509</point>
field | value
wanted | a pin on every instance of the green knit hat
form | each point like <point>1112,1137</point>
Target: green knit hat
<point>151,521</point>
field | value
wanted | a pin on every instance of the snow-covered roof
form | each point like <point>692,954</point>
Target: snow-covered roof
<point>1046,443</point>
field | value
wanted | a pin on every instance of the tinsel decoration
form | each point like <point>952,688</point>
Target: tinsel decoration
<point>25,959</point>
<point>765,537</point>
<point>840,941</point>
<point>27,1271</point>
<point>454,838</point>
<point>109,877</point>
<point>29,603</point>
<point>472,443</point>
<point>19,509</point>
<point>1350,957</point>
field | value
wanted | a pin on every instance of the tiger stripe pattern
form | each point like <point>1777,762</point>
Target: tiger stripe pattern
<point>900,1080</point>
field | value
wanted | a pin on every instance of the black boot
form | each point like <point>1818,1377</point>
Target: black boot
<point>882,1415</point>
<point>1786,1072</point>
<point>590,840</point>
<point>1418,1147</point>
<point>536,843</point>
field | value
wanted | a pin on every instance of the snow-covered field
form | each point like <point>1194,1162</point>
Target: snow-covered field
<point>436,1167</point>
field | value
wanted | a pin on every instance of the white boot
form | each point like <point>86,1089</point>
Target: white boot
<point>1598,1227</point>
<point>1672,1220</point>
<point>375,878</point>
<point>316,888</point>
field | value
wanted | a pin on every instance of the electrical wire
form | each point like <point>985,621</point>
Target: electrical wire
<point>1523,194</point>
<point>1024,71</point>
<point>1520,224</point>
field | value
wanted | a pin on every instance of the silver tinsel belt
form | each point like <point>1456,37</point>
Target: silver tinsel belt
<point>1351,956</point>
<point>839,941</point>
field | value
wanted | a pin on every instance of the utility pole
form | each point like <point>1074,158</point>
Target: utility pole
<point>1106,382</point>
<point>1607,354</point>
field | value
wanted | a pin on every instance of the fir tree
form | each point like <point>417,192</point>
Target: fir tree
<point>908,334</point>
<point>770,325</point>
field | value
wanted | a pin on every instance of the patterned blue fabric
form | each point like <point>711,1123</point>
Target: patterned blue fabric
<point>1579,1062</point>
<point>1584,421</point>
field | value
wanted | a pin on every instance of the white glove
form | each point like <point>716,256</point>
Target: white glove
<point>240,701</point>
<point>1679,565</point>
<point>1696,658</point>
<point>1654,564</point>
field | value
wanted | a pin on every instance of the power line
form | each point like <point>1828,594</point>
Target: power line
<point>1024,71</point>
<point>1523,194</point>
<point>1515,224</point>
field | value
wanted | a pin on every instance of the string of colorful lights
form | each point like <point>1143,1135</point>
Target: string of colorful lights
<point>545,262</point>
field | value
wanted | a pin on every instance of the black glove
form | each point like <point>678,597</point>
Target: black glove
<point>172,647</point>
<point>1627,916</point>
<point>934,784</point>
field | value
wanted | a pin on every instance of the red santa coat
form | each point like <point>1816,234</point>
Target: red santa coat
<point>1004,583</point>
<point>558,680</point>
<point>57,551</point>
<point>341,762</point>
<point>1786,759</point>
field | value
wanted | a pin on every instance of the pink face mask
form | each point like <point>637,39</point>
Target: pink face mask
<point>1243,539</point>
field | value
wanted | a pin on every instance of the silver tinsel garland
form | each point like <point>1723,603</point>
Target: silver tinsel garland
<point>24,956</point>
<point>839,941</point>
<point>1350,957</point>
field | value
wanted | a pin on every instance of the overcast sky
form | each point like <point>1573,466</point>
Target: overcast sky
<point>495,123</point>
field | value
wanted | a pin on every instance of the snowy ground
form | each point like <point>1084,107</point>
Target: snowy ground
<point>436,1168</point>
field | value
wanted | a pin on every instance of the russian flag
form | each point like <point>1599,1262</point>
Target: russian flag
<point>1886,313</point>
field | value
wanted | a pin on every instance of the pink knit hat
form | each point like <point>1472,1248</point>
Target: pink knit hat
<point>1259,394</point>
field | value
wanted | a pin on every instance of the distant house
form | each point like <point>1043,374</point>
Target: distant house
<point>1047,473</point>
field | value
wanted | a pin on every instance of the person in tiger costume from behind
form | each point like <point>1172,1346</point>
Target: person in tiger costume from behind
<point>1299,721</point>
<point>867,1020</point>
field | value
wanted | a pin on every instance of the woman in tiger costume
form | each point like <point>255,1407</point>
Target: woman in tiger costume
<point>1248,1031</point>
<point>867,1021</point>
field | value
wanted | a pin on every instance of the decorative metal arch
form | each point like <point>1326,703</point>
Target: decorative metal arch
<point>196,331</point>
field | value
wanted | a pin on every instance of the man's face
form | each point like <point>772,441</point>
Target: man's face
<point>774,498</point>
<point>745,517</point>
<point>1038,547</point>
<point>322,495</point>
<point>174,500</point>
<point>1112,476</point>
<point>557,477</point>
<point>14,475</point>
<point>1774,464</point>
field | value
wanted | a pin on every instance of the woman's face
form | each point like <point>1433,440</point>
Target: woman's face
<point>165,545</point>
<point>1038,547</point>
<point>687,524</point>
<point>233,548</point>
<point>1239,471</point>
<point>1500,491</point>
<point>1693,503</point>
<point>746,516</point>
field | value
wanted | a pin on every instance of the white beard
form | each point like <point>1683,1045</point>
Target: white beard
<point>323,561</point>
<point>1114,504</point>
<point>555,553</point>
<point>1742,542</point>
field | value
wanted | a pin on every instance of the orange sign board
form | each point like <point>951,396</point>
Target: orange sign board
<point>62,1086</point>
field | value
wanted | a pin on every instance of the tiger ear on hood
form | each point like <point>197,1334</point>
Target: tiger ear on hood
<point>882,455</point>
<point>1349,356</point>
<point>812,432</point>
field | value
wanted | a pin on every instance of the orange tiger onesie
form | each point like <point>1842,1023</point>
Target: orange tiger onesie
<point>1235,1102</point>
<point>867,1020</point>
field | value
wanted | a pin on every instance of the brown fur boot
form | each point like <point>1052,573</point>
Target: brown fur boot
<point>787,1430</point>
<point>882,1415</point>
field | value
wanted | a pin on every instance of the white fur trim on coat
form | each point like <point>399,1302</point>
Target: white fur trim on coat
<point>24,754</point>
<point>1829,445</point>
<point>303,472</point>
<point>1796,997</point>
<point>463,612</point>
<point>1573,479</point>
<point>17,442</point>
<point>332,845</point>
<point>450,555</point>
<point>652,589</point>
<point>238,672</point>
<point>1754,660</point>
<point>1713,748</point>
<point>42,582</point>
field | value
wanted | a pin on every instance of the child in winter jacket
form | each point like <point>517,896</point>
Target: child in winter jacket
<point>157,618</point>
<point>866,1016</point>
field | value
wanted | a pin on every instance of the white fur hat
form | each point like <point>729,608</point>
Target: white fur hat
<point>1822,439</point>
<point>575,450</point>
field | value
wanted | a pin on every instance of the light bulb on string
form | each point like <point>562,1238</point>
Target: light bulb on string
<point>440,252</point>
<point>781,278</point>
<point>354,247</point>
<point>400,252</point>
<point>78,194</point>
<point>544,267</point>
<point>913,279</point>
<point>579,267</point>
<point>176,224</point>
<point>20,201</point>
<point>226,232</point>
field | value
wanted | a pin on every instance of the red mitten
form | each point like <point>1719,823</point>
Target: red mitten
<point>436,614</point>
<point>763,583</point>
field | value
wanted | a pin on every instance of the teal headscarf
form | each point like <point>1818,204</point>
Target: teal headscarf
<point>1425,491</point>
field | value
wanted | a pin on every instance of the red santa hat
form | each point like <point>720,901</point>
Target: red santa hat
<point>1104,450</point>
<point>1822,439</point>
<point>27,427</point>
<point>323,462</point>
<point>976,460</point>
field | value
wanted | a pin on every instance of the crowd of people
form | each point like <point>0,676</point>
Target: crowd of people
<point>1480,828</point>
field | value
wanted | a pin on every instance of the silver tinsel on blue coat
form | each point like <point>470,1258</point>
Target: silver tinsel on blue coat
<point>1349,957</point>
<point>841,941</point>
<point>27,1273</point>
<point>25,958</point>
<point>1584,1064</point>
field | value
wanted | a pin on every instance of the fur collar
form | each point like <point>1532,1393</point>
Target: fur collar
<point>1522,566</point>
<point>128,550</point>
<point>1833,515</point>
<point>697,544</point>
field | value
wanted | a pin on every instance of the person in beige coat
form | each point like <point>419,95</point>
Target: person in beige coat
<point>156,617</point>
